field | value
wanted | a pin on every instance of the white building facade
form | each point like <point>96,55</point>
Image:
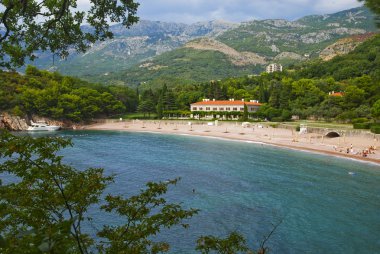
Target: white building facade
<point>223,106</point>
<point>273,67</point>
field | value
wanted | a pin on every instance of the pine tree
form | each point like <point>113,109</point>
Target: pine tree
<point>245,113</point>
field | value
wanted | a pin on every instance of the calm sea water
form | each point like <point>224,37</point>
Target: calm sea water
<point>244,187</point>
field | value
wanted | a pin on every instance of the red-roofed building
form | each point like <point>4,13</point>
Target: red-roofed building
<point>230,105</point>
<point>336,94</point>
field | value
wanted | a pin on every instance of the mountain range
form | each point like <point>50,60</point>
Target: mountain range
<point>153,52</point>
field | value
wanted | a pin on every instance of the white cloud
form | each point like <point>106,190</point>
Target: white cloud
<point>328,6</point>
<point>190,11</point>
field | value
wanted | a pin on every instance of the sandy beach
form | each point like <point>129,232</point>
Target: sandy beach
<point>347,147</point>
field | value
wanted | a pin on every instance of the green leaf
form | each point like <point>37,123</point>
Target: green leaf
<point>44,247</point>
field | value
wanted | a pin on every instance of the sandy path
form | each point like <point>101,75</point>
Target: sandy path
<point>274,136</point>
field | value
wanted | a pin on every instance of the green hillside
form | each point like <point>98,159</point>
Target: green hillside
<point>302,91</point>
<point>364,60</point>
<point>60,97</point>
<point>181,66</point>
<point>281,41</point>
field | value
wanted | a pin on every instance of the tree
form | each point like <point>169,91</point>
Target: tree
<point>376,110</point>
<point>353,96</point>
<point>126,95</point>
<point>48,214</point>
<point>160,107</point>
<point>374,5</point>
<point>245,113</point>
<point>234,243</point>
<point>146,107</point>
<point>44,208</point>
<point>169,101</point>
<point>275,93</point>
<point>145,215</point>
<point>56,26</point>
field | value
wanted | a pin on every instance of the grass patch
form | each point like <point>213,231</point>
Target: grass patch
<point>139,116</point>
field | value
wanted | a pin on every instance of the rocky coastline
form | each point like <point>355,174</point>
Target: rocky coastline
<point>17,123</point>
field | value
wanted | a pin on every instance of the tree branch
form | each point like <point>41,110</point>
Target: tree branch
<point>266,238</point>
<point>4,21</point>
<point>61,190</point>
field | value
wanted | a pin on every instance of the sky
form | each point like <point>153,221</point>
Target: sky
<point>190,11</point>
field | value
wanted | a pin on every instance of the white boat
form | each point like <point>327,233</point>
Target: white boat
<point>42,126</point>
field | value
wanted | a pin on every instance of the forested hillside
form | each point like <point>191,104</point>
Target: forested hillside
<point>302,91</point>
<point>181,66</point>
<point>64,98</point>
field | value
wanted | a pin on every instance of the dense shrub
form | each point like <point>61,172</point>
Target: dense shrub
<point>375,129</point>
<point>359,120</point>
<point>362,125</point>
<point>277,119</point>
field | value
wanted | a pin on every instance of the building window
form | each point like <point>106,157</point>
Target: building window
<point>221,109</point>
<point>200,108</point>
<point>194,108</point>
<point>214,109</point>
<point>228,109</point>
<point>234,109</point>
<point>241,109</point>
<point>207,108</point>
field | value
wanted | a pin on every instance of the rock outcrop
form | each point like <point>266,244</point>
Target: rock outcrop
<point>343,46</point>
<point>13,123</point>
<point>16,123</point>
<point>236,57</point>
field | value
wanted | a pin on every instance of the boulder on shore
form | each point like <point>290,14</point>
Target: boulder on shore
<point>12,123</point>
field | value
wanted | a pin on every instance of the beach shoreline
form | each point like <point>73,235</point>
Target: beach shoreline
<point>343,147</point>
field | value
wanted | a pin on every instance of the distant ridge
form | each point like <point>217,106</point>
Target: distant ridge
<point>208,50</point>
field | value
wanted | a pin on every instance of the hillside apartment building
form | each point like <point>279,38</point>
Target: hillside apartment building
<point>273,67</point>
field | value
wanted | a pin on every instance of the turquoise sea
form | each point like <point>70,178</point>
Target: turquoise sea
<point>245,187</point>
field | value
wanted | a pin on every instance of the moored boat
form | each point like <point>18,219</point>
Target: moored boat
<point>42,126</point>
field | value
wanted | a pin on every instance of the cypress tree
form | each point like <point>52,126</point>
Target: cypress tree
<point>245,113</point>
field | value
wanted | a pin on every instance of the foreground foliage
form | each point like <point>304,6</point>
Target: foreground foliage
<point>27,26</point>
<point>44,208</point>
<point>44,204</point>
